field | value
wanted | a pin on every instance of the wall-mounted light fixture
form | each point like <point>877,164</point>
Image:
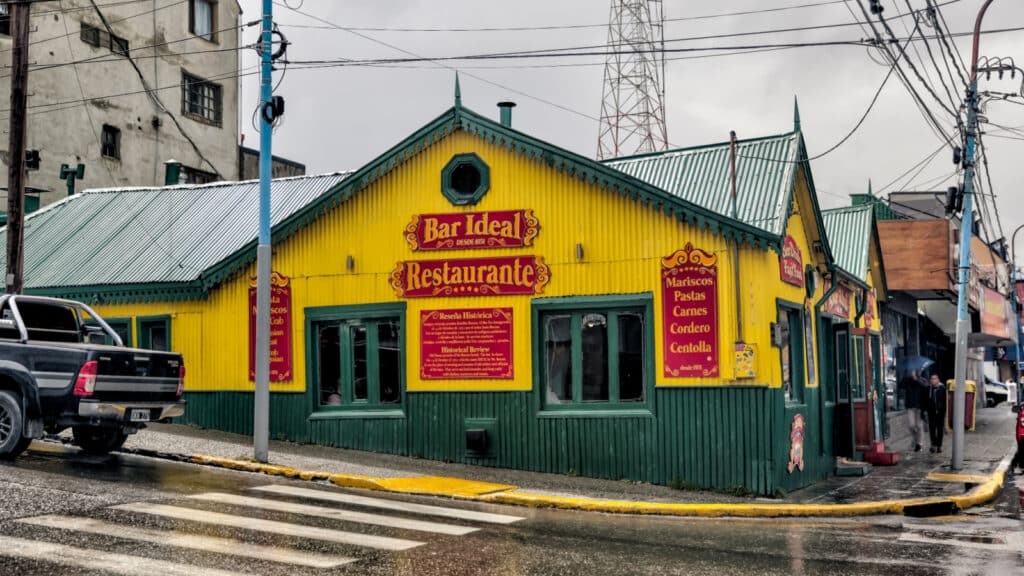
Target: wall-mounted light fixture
<point>350,263</point>
<point>579,251</point>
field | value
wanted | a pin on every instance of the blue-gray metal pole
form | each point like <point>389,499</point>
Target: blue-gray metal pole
<point>963,319</point>
<point>261,417</point>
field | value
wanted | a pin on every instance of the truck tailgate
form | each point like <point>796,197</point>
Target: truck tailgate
<point>136,375</point>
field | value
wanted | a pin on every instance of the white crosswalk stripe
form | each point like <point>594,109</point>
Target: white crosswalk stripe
<point>382,504</point>
<point>106,562</point>
<point>246,556</point>
<point>335,514</point>
<point>192,541</point>
<point>271,526</point>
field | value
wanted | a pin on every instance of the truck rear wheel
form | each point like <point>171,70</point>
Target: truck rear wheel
<point>99,440</point>
<point>12,424</point>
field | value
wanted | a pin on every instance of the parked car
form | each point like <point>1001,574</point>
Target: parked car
<point>62,366</point>
<point>995,392</point>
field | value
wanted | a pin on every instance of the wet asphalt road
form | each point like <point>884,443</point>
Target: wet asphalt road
<point>56,503</point>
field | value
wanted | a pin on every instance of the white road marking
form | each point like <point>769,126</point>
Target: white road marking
<point>345,498</point>
<point>100,561</point>
<point>335,514</point>
<point>192,541</point>
<point>273,527</point>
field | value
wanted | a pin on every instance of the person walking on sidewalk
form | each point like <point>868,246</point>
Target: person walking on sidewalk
<point>913,385</point>
<point>936,406</point>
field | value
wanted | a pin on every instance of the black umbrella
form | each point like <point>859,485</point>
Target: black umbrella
<point>914,364</point>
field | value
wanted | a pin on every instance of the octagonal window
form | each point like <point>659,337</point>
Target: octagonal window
<point>465,179</point>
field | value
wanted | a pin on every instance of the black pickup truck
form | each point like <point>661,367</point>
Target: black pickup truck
<point>62,366</point>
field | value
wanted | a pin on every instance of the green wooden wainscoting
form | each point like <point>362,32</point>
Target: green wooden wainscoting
<point>723,438</point>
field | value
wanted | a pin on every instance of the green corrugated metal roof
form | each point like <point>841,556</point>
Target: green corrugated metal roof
<point>849,233</point>
<point>154,244</point>
<point>765,172</point>
<point>152,236</point>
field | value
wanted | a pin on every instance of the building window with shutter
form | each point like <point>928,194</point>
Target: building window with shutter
<point>5,20</point>
<point>203,18</point>
<point>102,39</point>
<point>110,142</point>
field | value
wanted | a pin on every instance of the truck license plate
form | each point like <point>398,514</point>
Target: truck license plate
<point>139,415</point>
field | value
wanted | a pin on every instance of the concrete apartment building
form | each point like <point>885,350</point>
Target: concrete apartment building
<point>123,87</point>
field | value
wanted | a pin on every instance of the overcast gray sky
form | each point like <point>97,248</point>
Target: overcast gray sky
<point>338,118</point>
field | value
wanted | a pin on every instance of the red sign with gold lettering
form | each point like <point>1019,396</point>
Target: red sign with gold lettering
<point>466,344</point>
<point>791,263</point>
<point>689,292</point>
<point>280,328</point>
<point>501,276</point>
<point>469,230</point>
<point>838,304</point>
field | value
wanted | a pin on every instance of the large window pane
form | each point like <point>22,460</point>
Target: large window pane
<point>388,362</point>
<point>631,357</point>
<point>329,350</point>
<point>359,363</point>
<point>594,339</point>
<point>558,358</point>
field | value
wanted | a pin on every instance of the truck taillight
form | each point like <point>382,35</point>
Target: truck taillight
<point>181,380</point>
<point>86,382</point>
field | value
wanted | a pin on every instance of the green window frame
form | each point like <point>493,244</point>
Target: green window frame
<point>362,349</point>
<point>792,354</point>
<point>123,327</point>
<point>858,388</point>
<point>594,355</point>
<point>148,332</point>
<point>465,179</point>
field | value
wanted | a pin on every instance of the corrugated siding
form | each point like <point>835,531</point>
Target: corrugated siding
<point>721,437</point>
<point>849,235</point>
<point>764,177</point>
<point>152,235</point>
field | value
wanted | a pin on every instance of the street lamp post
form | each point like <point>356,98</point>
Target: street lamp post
<point>963,320</point>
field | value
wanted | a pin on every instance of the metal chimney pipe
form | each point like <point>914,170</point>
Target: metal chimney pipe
<point>506,113</point>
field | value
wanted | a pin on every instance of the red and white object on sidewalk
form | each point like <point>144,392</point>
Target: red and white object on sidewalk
<point>879,457</point>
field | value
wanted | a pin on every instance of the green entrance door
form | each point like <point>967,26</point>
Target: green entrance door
<point>843,419</point>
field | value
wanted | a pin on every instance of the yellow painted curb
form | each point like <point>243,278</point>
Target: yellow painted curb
<point>488,492</point>
<point>965,478</point>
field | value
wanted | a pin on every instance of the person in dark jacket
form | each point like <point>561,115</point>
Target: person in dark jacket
<point>936,407</point>
<point>913,388</point>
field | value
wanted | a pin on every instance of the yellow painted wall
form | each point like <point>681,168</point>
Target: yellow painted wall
<point>622,242</point>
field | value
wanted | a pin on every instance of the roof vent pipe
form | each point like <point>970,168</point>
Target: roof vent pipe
<point>506,113</point>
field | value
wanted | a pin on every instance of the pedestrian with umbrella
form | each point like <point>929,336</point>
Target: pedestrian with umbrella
<point>915,390</point>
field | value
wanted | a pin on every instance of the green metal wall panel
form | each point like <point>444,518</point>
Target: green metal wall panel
<point>712,437</point>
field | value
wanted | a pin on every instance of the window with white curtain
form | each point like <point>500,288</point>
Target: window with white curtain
<point>202,18</point>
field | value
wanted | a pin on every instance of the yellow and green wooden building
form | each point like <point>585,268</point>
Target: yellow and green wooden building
<point>477,295</point>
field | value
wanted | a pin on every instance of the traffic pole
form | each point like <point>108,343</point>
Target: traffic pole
<point>261,417</point>
<point>963,319</point>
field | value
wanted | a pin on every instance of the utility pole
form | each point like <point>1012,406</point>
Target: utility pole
<point>19,14</point>
<point>261,417</point>
<point>963,319</point>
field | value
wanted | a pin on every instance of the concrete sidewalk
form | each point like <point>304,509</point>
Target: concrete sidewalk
<point>921,484</point>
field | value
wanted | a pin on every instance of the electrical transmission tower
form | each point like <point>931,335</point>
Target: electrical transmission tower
<point>633,99</point>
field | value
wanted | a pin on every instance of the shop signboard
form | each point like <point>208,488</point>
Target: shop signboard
<point>689,292</point>
<point>280,328</point>
<point>791,263</point>
<point>466,344</point>
<point>501,276</point>
<point>869,308</point>
<point>993,314</point>
<point>472,230</point>
<point>838,304</point>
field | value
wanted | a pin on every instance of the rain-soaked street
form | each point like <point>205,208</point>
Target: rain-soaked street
<point>66,513</point>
